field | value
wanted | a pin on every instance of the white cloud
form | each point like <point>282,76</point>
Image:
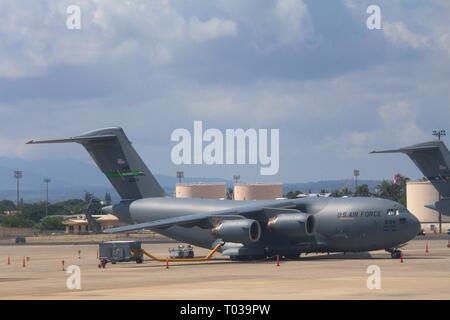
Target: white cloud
<point>139,64</point>
<point>398,126</point>
<point>399,34</point>
<point>37,36</point>
<point>293,21</point>
<point>211,29</point>
<point>444,42</point>
<point>12,147</point>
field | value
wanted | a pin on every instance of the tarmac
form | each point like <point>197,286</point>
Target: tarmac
<point>421,275</point>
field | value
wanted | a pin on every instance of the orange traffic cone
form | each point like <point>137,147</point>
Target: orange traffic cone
<point>401,257</point>
<point>278,260</point>
<point>426,247</point>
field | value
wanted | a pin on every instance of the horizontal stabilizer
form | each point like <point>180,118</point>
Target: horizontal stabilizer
<point>408,149</point>
<point>442,206</point>
<point>430,206</point>
<point>75,139</point>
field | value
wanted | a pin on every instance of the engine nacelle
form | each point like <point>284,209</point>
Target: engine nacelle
<point>292,225</point>
<point>239,231</point>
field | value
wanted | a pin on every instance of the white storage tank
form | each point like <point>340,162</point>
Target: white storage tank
<point>258,191</point>
<point>201,190</point>
<point>419,194</point>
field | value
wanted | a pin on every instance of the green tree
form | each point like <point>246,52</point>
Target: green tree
<point>34,211</point>
<point>16,222</point>
<point>394,190</point>
<point>88,196</point>
<point>7,205</point>
<point>52,223</point>
<point>362,190</point>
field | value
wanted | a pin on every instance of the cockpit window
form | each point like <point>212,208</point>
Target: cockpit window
<point>394,212</point>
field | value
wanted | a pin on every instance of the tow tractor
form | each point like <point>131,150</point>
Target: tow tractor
<point>119,251</point>
<point>187,254</point>
<point>125,251</point>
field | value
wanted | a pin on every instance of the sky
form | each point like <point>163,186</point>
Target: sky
<point>312,69</point>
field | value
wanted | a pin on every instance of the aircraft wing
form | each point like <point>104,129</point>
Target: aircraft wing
<point>159,223</point>
<point>253,212</point>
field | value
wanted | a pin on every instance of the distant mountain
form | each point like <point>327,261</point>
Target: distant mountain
<point>71,178</point>
<point>329,185</point>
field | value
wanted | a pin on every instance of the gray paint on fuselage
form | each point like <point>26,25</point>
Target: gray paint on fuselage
<point>342,224</point>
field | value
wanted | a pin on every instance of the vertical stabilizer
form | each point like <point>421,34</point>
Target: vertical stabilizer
<point>433,160</point>
<point>117,159</point>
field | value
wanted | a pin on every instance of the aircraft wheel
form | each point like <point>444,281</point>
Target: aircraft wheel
<point>102,263</point>
<point>396,254</point>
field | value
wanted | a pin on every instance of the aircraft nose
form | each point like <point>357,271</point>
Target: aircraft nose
<point>414,225</point>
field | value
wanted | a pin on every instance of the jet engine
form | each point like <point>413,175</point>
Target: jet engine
<point>238,231</point>
<point>292,225</point>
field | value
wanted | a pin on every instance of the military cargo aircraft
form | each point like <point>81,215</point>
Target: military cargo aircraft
<point>433,160</point>
<point>247,229</point>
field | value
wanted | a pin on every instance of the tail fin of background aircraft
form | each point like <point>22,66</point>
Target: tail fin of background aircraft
<point>433,160</point>
<point>117,159</point>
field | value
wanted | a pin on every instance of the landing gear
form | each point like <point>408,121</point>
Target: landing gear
<point>395,253</point>
<point>139,260</point>
<point>102,263</point>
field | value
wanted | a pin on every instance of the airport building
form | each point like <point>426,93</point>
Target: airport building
<point>258,191</point>
<point>80,225</point>
<point>201,190</point>
<point>419,194</point>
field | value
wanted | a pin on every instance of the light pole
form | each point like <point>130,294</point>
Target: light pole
<point>18,175</point>
<point>439,134</point>
<point>47,181</point>
<point>356,174</point>
<point>180,175</point>
<point>236,178</point>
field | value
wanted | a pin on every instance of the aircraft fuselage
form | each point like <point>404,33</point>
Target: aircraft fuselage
<point>341,224</point>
